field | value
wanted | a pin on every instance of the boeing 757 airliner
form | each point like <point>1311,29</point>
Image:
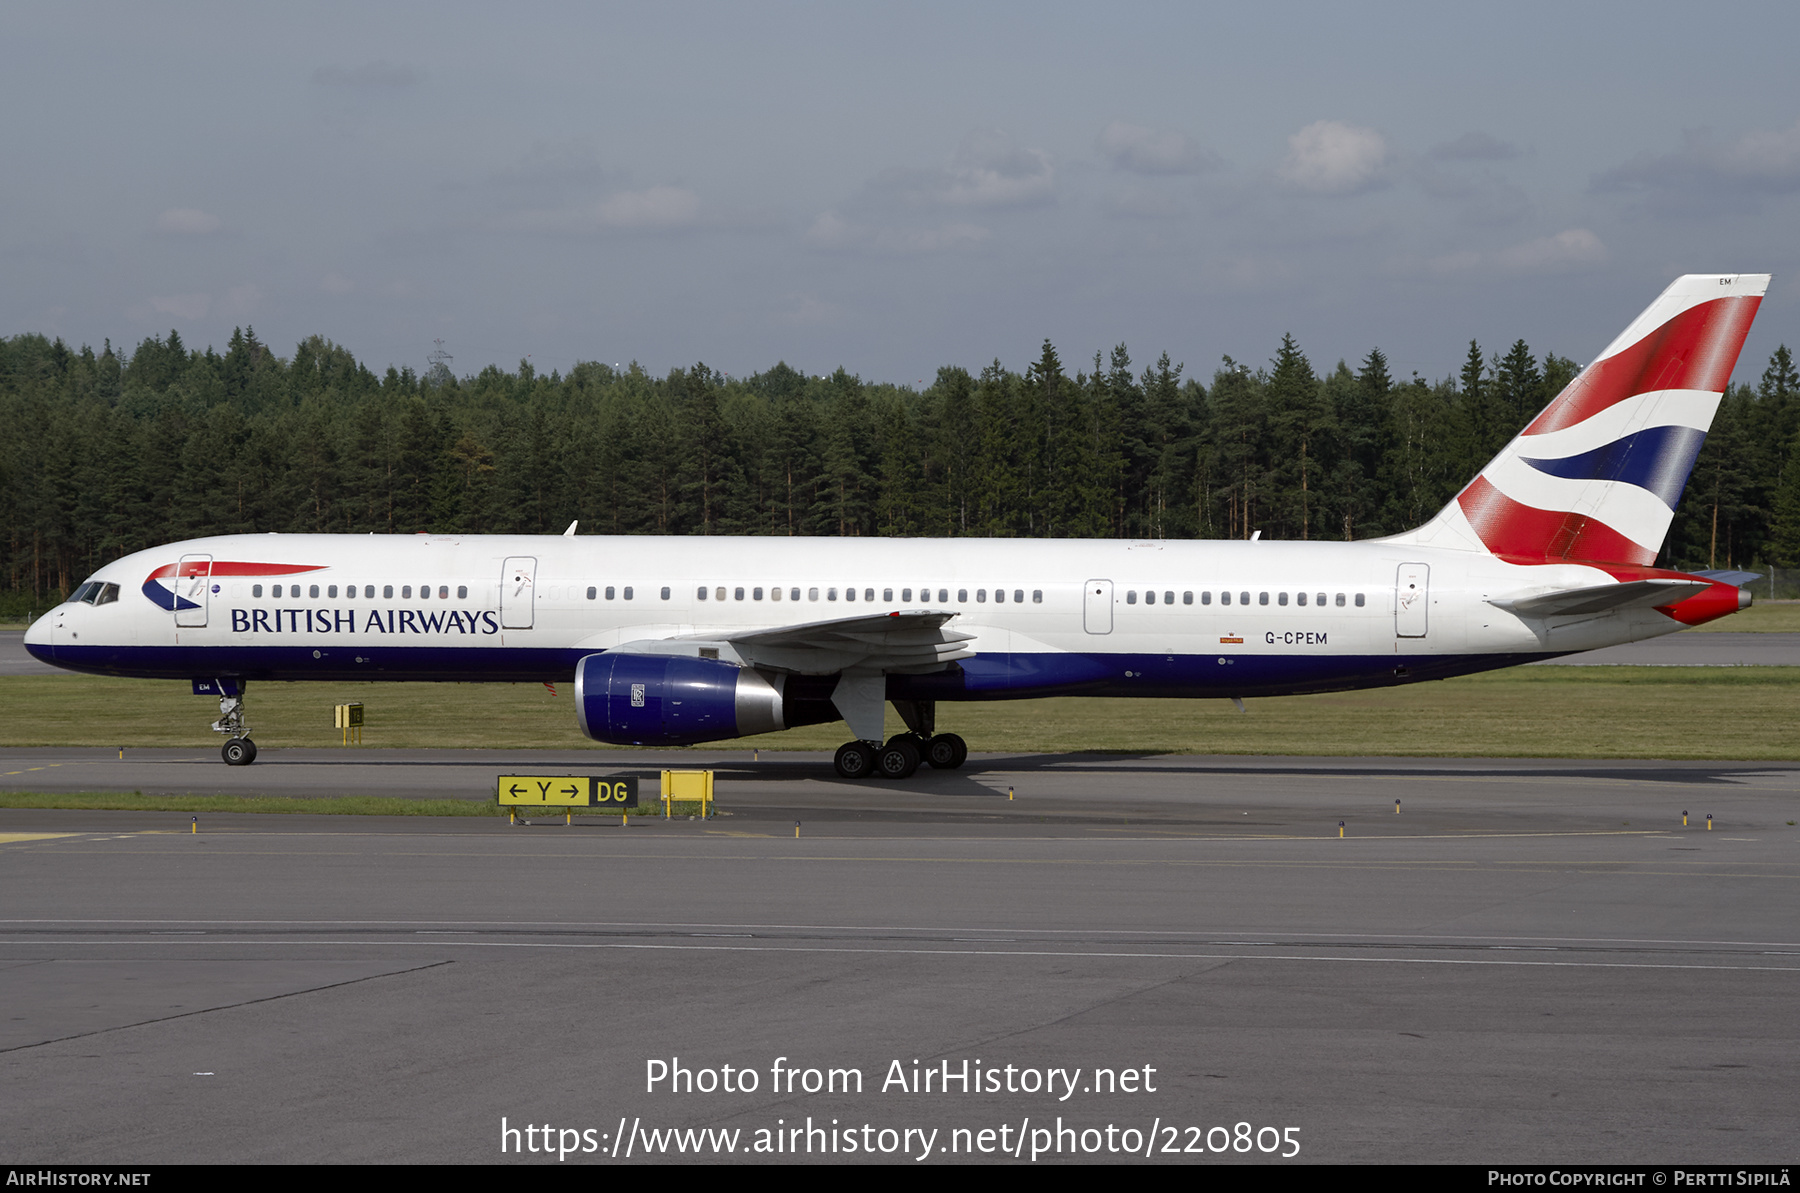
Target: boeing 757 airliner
<point>673,641</point>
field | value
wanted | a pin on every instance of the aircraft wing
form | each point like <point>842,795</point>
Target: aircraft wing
<point>1601,598</point>
<point>904,641</point>
<point>907,640</point>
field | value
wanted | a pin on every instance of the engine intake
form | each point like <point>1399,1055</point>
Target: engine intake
<point>671,700</point>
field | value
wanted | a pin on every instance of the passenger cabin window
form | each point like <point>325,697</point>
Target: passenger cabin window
<point>981,596</point>
<point>1037,596</point>
<point>609,592</point>
<point>1262,598</point>
<point>831,594</point>
<point>387,591</point>
<point>405,591</point>
<point>887,595</point>
<point>737,594</point>
<point>256,590</point>
<point>462,592</point>
<point>1224,598</point>
<point>1187,598</point>
<point>1280,599</point>
<point>444,592</point>
<point>943,596</point>
<point>1149,597</point>
<point>700,594</point>
<point>1321,601</point>
<point>849,594</point>
<point>1359,600</point>
<point>1131,597</point>
<point>755,594</point>
<point>1300,599</point>
<point>1243,598</point>
<point>1206,597</point>
<point>719,592</point>
<point>812,594</point>
<point>594,593</point>
<point>962,596</point>
<point>906,594</point>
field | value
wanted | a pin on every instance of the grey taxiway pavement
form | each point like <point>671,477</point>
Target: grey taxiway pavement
<point>1532,961</point>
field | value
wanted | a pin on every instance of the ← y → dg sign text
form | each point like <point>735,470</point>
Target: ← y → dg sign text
<point>568,791</point>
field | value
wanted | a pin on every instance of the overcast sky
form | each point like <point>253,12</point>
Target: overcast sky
<point>892,188</point>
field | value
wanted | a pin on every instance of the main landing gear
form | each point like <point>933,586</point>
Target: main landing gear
<point>900,757</point>
<point>238,749</point>
<point>903,753</point>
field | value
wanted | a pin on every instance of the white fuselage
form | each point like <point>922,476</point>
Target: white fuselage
<point>1103,616</point>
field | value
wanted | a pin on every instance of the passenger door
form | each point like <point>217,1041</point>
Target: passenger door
<point>1412,600</point>
<point>518,584</point>
<point>1097,606</point>
<point>193,590</point>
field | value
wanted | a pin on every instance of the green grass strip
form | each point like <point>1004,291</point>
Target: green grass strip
<point>352,805</point>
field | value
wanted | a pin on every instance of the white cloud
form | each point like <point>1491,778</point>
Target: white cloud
<point>367,75</point>
<point>188,221</point>
<point>653,209</point>
<point>191,307</point>
<point>1761,160</point>
<point>1152,151</point>
<point>1329,157</point>
<point>1568,251</point>
<point>658,207</point>
<point>1571,249</point>
<point>1145,203</point>
<point>1475,147</point>
<point>987,171</point>
<point>804,310</point>
<point>240,300</point>
<point>832,230</point>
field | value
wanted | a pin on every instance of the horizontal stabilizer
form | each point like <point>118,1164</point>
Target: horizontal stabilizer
<point>1735,579</point>
<point>1602,598</point>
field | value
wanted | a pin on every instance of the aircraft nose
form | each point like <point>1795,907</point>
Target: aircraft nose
<point>40,638</point>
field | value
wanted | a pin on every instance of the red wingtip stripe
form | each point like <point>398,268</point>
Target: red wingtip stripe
<point>1512,528</point>
<point>1697,349</point>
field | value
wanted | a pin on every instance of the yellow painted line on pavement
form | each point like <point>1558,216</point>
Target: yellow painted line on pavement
<point>15,838</point>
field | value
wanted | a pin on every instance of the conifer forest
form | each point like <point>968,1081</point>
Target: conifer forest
<point>110,452</point>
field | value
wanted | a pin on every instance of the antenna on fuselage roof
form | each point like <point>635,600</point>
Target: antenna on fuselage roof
<point>570,532</point>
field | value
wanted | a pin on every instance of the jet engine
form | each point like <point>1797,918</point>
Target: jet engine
<point>672,700</point>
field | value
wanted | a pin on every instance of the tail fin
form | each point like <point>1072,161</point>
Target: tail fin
<point>1595,477</point>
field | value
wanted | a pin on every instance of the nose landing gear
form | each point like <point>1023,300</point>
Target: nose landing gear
<point>238,749</point>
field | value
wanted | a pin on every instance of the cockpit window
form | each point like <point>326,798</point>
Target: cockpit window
<point>94,592</point>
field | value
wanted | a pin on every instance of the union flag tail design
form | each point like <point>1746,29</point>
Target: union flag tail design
<point>1595,477</point>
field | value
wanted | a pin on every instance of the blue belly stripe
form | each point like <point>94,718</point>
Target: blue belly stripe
<point>984,677</point>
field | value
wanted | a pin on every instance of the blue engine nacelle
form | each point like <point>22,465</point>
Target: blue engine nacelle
<point>670,700</point>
